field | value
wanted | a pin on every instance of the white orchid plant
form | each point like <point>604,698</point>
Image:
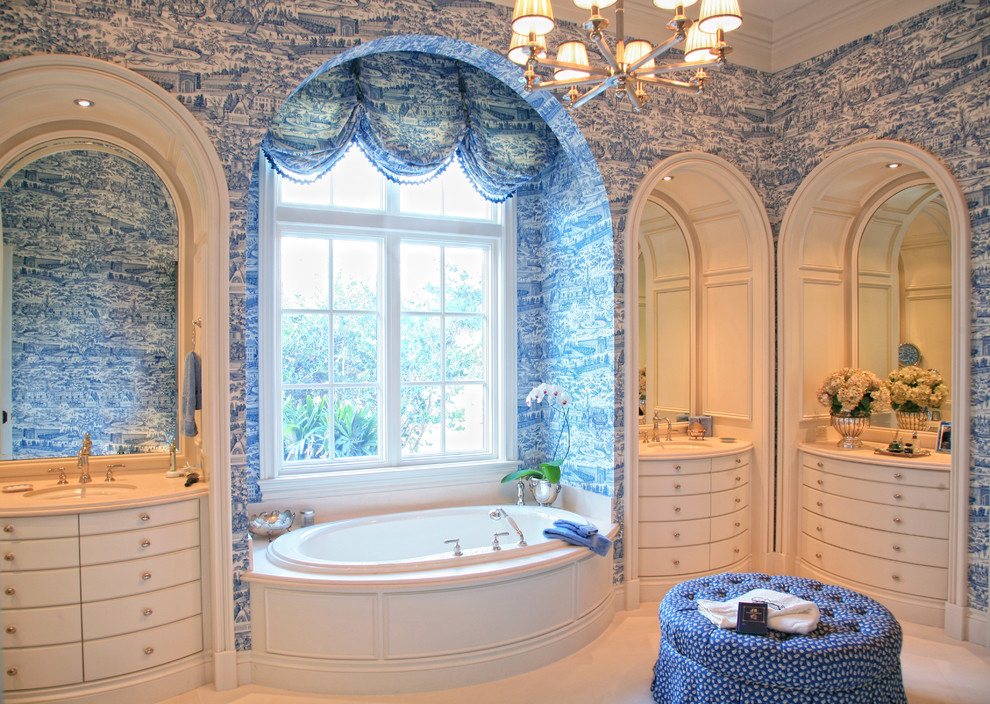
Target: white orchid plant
<point>555,396</point>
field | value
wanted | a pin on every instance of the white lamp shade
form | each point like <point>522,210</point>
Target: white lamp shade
<point>672,4</point>
<point>532,17</point>
<point>572,53</point>
<point>720,14</point>
<point>699,44</point>
<point>635,51</point>
<point>586,4</point>
<point>519,49</point>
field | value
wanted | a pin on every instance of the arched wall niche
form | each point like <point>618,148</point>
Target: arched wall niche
<point>819,239</point>
<point>731,241</point>
<point>138,116</point>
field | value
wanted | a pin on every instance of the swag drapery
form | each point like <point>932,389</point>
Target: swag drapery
<point>412,113</point>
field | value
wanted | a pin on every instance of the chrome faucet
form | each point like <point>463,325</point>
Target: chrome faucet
<point>497,513</point>
<point>656,426</point>
<point>83,461</point>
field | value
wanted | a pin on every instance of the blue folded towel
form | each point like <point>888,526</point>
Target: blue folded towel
<point>583,530</point>
<point>192,394</point>
<point>592,540</point>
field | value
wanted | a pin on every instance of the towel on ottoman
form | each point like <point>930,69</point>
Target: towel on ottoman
<point>785,612</point>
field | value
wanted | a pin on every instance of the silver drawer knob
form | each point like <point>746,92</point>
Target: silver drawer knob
<point>738,479</point>
<point>677,509</point>
<point>147,612</point>
<point>820,482</point>
<point>898,497</point>
<point>10,591</point>
<point>819,503</point>
<point>9,557</point>
<point>736,550</point>
<point>145,543</point>
<point>8,528</point>
<point>144,517</point>
<point>818,528</point>
<point>149,651</point>
<point>11,629</point>
<point>677,487</point>
<point>146,576</point>
<point>738,460</point>
<point>11,671</point>
<point>738,524</point>
<point>820,464</point>
<point>818,555</point>
<point>897,519</point>
<point>897,548</point>
<point>738,500</point>
<point>677,468</point>
<point>895,577</point>
<point>676,563</point>
<point>898,475</point>
<point>676,534</point>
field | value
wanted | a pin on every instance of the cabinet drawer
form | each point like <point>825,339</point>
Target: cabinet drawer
<point>133,544</point>
<point>724,502</point>
<point>720,464</point>
<point>102,619</point>
<point>53,625</point>
<point>35,527</point>
<point>49,666</point>
<point>649,467</point>
<point>100,582</point>
<point>915,549</point>
<point>878,492</point>
<point>730,524</point>
<point>657,562</point>
<point>132,519</point>
<point>931,582</point>
<point>675,486</point>
<point>934,478</point>
<point>674,533</point>
<point>726,552</point>
<point>910,521</point>
<point>674,508</point>
<point>730,479</point>
<point>23,590</point>
<point>108,657</point>
<point>47,554</point>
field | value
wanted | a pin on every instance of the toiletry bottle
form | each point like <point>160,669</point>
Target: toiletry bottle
<point>171,457</point>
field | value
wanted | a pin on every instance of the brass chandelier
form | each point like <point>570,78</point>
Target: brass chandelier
<point>633,63</point>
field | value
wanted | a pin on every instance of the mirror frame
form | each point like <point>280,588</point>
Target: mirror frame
<point>142,118</point>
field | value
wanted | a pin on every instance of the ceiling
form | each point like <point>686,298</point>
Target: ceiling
<point>775,33</point>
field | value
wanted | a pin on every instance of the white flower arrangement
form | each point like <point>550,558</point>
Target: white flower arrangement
<point>915,389</point>
<point>857,392</point>
<point>554,396</point>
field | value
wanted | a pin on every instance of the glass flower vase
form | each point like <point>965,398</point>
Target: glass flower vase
<point>850,428</point>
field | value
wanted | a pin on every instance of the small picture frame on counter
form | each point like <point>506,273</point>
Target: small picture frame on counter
<point>944,443</point>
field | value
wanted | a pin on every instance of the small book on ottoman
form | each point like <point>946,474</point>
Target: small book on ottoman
<point>752,618</point>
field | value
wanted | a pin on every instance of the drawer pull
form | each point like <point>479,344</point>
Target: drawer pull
<point>10,591</point>
<point>738,460</point>
<point>144,517</point>
<point>145,543</point>
<point>818,528</point>
<point>11,629</point>
<point>736,550</point>
<point>9,557</point>
<point>898,497</point>
<point>8,528</point>
<point>677,487</point>
<point>676,563</point>
<point>146,576</point>
<point>738,524</point>
<point>738,479</point>
<point>895,577</point>
<point>819,503</point>
<point>818,555</point>
<point>897,519</point>
<point>11,671</point>
<point>149,651</point>
<point>677,468</point>
<point>897,548</point>
<point>738,500</point>
<point>820,464</point>
<point>147,612</point>
<point>820,482</point>
<point>677,534</point>
<point>677,509</point>
<point>898,475</point>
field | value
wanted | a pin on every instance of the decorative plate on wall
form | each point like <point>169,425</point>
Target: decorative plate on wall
<point>908,354</point>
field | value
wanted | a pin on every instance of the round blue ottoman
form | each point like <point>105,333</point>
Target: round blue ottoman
<point>852,657</point>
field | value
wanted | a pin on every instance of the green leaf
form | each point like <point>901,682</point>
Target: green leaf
<point>551,471</point>
<point>521,474</point>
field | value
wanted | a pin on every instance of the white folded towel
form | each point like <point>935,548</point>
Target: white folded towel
<point>785,612</point>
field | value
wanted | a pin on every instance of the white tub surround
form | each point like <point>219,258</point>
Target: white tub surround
<point>103,589</point>
<point>879,525</point>
<point>428,626</point>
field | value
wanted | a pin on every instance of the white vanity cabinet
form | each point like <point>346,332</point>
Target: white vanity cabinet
<point>95,595</point>
<point>878,525</point>
<point>693,518</point>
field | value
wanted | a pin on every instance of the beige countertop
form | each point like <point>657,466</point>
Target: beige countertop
<point>867,454</point>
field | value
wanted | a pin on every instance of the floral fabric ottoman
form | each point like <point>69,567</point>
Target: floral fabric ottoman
<point>852,657</point>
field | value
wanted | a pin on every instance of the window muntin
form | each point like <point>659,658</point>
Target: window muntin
<point>388,323</point>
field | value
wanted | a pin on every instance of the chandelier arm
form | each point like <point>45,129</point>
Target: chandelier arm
<point>573,82</point>
<point>605,51</point>
<point>592,93</point>
<point>633,98</point>
<point>673,68</point>
<point>657,51</point>
<point>594,70</point>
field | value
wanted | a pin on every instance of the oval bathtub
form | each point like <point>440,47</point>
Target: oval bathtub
<point>381,605</point>
<point>416,541</point>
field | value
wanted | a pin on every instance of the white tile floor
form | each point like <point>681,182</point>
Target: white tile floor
<point>617,669</point>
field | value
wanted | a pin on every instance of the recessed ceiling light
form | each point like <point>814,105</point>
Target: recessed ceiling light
<point>84,102</point>
<point>667,178</point>
<point>893,165</point>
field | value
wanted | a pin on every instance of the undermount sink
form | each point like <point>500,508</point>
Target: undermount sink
<point>82,491</point>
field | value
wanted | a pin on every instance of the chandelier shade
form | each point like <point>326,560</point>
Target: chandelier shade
<point>720,14</point>
<point>532,17</point>
<point>632,65</point>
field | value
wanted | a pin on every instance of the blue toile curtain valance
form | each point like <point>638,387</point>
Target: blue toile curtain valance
<point>411,113</point>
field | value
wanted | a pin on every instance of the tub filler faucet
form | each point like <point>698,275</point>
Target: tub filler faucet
<point>497,513</point>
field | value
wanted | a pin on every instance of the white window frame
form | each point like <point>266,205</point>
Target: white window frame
<point>410,473</point>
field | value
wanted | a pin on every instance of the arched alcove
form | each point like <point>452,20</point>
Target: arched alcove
<point>731,250</point>
<point>820,238</point>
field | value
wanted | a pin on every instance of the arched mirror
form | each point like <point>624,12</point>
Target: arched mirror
<point>88,303</point>
<point>904,269</point>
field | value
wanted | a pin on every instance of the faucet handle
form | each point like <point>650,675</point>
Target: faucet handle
<point>495,545</point>
<point>61,474</point>
<point>110,468</point>
<point>457,546</point>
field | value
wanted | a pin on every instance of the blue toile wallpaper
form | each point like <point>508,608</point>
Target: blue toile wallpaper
<point>233,63</point>
<point>94,246</point>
